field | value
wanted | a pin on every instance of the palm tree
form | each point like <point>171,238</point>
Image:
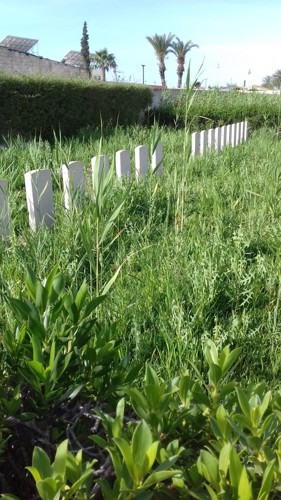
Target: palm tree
<point>161,45</point>
<point>101,59</point>
<point>276,78</point>
<point>267,82</point>
<point>180,50</point>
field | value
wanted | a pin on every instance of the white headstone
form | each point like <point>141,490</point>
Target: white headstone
<point>228,135</point>
<point>242,131</point>
<point>223,136</point>
<point>245,130</point>
<point>218,138</point>
<point>4,216</point>
<point>73,182</point>
<point>233,135</point>
<point>195,143</point>
<point>141,161</point>
<point>39,197</point>
<point>238,126</point>
<point>123,165</point>
<point>211,139</point>
<point>157,159</point>
<point>102,164</point>
<point>203,141</point>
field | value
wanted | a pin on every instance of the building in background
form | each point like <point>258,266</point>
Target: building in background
<point>19,56</point>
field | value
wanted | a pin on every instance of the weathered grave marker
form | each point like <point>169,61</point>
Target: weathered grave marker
<point>195,144</point>
<point>157,159</point>
<point>123,166</point>
<point>203,141</point>
<point>39,197</point>
<point>73,182</point>
<point>141,161</point>
<point>4,216</point>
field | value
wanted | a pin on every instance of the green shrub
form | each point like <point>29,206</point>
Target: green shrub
<point>42,105</point>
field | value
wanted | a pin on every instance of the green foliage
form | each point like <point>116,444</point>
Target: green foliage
<point>58,347</point>
<point>85,49</point>
<point>67,477</point>
<point>43,105</point>
<point>215,108</point>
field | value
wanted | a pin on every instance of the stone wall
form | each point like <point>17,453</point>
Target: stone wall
<point>17,63</point>
<point>157,94</point>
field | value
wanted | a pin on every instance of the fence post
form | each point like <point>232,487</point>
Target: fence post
<point>123,165</point>
<point>4,216</point>
<point>73,182</point>
<point>141,161</point>
<point>157,159</point>
<point>195,144</point>
<point>203,141</point>
<point>101,163</point>
<point>39,197</point>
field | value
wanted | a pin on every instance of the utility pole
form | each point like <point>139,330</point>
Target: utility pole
<point>143,65</point>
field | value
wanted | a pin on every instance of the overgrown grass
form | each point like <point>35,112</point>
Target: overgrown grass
<point>199,247</point>
<point>215,108</point>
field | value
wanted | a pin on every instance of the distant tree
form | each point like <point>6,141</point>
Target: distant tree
<point>276,79</point>
<point>103,60</point>
<point>180,49</point>
<point>162,46</point>
<point>85,49</point>
<point>267,82</point>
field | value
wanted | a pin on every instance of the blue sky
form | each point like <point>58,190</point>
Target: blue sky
<point>238,40</point>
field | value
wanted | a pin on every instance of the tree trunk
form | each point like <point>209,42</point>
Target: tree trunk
<point>103,76</point>
<point>180,71</point>
<point>162,69</point>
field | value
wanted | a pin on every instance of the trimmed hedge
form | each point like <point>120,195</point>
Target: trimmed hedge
<point>30,105</point>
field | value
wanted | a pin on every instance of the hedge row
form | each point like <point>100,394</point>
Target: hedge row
<point>31,105</point>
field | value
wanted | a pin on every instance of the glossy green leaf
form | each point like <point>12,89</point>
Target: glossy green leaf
<point>41,462</point>
<point>244,487</point>
<point>230,359</point>
<point>266,482</point>
<point>224,459</point>
<point>211,353</point>
<point>141,441</point>
<point>235,468</point>
<point>59,464</point>
<point>208,467</point>
<point>125,450</point>
<point>243,402</point>
<point>48,489</point>
<point>215,374</point>
<point>158,477</point>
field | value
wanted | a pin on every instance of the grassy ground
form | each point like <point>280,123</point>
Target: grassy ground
<point>199,247</point>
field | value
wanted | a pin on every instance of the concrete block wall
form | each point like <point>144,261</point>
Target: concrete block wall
<point>17,63</point>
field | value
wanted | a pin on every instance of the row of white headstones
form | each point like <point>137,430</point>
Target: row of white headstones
<point>215,139</point>
<point>38,183</point>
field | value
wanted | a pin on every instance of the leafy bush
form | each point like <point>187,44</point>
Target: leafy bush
<point>186,438</point>
<point>42,105</point>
